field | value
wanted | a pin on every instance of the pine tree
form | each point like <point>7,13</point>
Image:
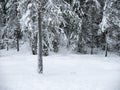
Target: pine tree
<point>110,24</point>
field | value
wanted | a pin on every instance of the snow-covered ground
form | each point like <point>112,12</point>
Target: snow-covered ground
<point>18,71</point>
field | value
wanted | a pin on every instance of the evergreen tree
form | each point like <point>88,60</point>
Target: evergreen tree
<point>111,24</point>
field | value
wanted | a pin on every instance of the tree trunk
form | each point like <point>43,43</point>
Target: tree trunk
<point>17,40</point>
<point>106,45</point>
<point>18,44</point>
<point>91,26</point>
<point>106,49</point>
<point>80,46</point>
<point>7,45</point>
<point>40,62</point>
<point>92,45</point>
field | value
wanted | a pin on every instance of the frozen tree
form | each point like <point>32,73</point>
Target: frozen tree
<point>72,25</point>
<point>10,23</point>
<point>3,16</point>
<point>40,8</point>
<point>69,24</point>
<point>90,13</point>
<point>28,22</point>
<point>93,21</point>
<point>111,24</point>
<point>51,22</point>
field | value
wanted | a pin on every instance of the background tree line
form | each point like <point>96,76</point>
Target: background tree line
<point>81,26</point>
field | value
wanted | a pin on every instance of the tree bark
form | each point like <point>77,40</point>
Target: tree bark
<point>17,40</point>
<point>91,27</point>
<point>106,45</point>
<point>40,61</point>
<point>106,49</point>
<point>92,45</point>
<point>7,45</point>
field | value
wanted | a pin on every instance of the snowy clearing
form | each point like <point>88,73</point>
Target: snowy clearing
<point>61,72</point>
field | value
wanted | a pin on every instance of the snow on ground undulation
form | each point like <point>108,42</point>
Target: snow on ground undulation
<point>61,72</point>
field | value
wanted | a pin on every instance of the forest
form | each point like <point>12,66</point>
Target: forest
<point>80,26</point>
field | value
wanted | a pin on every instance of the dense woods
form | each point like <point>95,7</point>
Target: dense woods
<point>80,26</point>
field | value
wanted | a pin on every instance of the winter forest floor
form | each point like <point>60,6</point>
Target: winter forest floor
<point>18,71</point>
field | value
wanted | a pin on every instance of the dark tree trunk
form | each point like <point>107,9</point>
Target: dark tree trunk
<point>91,27</point>
<point>118,45</point>
<point>92,45</point>
<point>80,47</point>
<point>106,49</point>
<point>106,45</point>
<point>7,46</point>
<point>17,40</point>
<point>18,25</point>
<point>40,61</point>
<point>17,44</point>
<point>68,36</point>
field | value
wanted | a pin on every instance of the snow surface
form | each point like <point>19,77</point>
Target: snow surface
<point>18,71</point>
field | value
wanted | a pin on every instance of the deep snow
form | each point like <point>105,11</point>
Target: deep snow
<point>18,71</point>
